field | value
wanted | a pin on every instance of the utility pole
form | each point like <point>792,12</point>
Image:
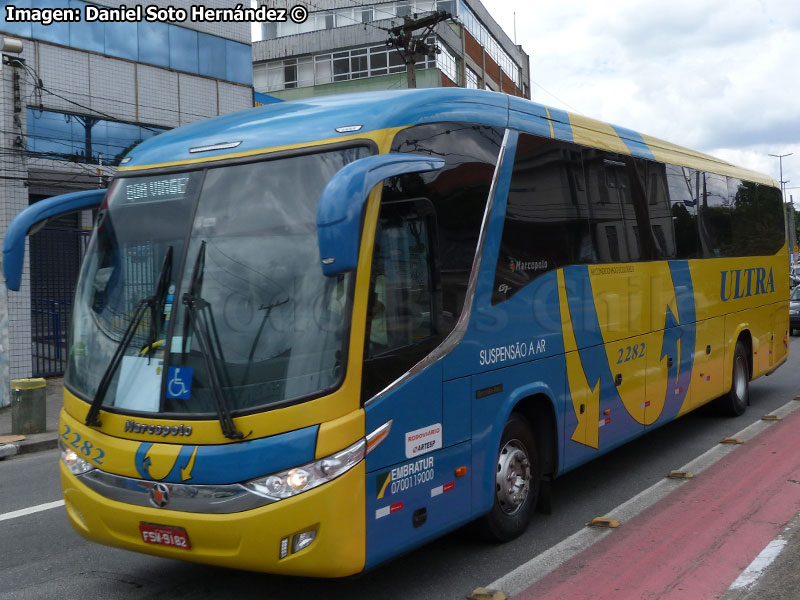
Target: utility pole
<point>783,183</point>
<point>414,47</point>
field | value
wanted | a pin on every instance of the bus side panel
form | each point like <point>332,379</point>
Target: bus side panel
<point>780,325</point>
<point>416,501</point>
<point>708,379</point>
<point>494,396</point>
<point>416,405</point>
<point>412,491</point>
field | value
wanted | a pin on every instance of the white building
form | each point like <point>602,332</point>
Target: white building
<point>342,48</point>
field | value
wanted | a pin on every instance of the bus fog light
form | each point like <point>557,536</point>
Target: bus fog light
<point>75,464</point>
<point>291,482</point>
<point>303,540</point>
<point>284,547</point>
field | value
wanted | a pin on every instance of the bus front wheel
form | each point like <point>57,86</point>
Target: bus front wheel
<point>734,403</point>
<point>516,482</point>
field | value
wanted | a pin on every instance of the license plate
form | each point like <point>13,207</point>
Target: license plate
<point>164,535</point>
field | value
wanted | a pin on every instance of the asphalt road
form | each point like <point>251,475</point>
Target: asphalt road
<point>42,557</point>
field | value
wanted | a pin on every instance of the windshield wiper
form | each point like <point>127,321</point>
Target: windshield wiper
<point>195,307</point>
<point>157,307</point>
<point>151,302</point>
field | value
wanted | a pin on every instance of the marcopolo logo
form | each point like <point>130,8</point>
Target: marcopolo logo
<point>516,266</point>
<point>743,283</point>
<point>423,440</point>
<point>162,430</point>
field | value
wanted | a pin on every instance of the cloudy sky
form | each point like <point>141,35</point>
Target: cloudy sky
<point>719,76</point>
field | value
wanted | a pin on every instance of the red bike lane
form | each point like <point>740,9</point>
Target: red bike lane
<point>695,542</point>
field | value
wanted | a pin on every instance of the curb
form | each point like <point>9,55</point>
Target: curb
<point>38,446</point>
<point>45,442</point>
<point>7,450</point>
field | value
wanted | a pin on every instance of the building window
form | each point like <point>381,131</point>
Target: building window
<point>472,80</point>
<point>447,63</point>
<point>83,139</point>
<point>490,44</point>
<point>447,6</point>
<point>343,66</point>
<point>404,9</point>
<point>270,31</point>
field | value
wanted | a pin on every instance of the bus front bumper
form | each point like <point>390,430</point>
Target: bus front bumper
<point>249,540</point>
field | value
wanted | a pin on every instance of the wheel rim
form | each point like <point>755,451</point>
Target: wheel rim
<point>740,378</point>
<point>513,479</point>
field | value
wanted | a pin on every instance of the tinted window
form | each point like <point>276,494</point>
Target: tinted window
<point>715,214</point>
<point>682,189</point>
<point>757,220</point>
<point>429,229</point>
<point>55,32</point>
<point>22,29</point>
<point>240,62</point>
<point>608,192</point>
<point>212,56</point>
<point>182,49</point>
<point>547,219</point>
<point>659,210</point>
<point>122,40</point>
<point>154,43</point>
<point>88,36</point>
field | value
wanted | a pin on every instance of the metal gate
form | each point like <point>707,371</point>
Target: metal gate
<point>56,254</point>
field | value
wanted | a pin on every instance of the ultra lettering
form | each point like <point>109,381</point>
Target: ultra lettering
<point>744,283</point>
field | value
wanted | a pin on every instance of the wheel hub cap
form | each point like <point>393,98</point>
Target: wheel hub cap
<point>512,482</point>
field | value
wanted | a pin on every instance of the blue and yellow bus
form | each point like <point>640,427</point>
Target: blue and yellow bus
<point>311,336</point>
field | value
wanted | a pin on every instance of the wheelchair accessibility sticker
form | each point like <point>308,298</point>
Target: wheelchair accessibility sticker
<point>179,382</point>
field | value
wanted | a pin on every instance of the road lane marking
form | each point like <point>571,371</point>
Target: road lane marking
<point>756,568</point>
<point>30,510</point>
<point>527,574</point>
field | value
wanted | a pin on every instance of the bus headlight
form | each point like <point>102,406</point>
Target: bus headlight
<point>74,462</point>
<point>306,477</point>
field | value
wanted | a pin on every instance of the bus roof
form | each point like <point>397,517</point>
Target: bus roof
<point>298,123</point>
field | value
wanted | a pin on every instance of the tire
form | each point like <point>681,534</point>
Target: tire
<point>735,402</point>
<point>518,467</point>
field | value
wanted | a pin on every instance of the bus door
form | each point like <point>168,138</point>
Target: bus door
<point>413,492</point>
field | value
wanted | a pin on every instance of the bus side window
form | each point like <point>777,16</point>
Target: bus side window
<point>757,218</point>
<point>658,205</point>
<point>448,207</point>
<point>546,225</point>
<point>716,222</point>
<point>683,195</point>
<point>401,308</point>
<point>404,294</point>
<point>609,194</point>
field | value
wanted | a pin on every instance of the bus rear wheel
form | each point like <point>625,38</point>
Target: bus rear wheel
<point>734,403</point>
<point>516,483</point>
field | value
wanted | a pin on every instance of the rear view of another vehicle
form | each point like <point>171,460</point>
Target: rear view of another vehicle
<point>794,310</point>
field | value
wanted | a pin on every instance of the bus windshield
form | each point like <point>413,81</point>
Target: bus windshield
<point>243,313</point>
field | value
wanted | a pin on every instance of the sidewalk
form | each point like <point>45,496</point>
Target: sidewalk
<point>35,442</point>
<point>716,535</point>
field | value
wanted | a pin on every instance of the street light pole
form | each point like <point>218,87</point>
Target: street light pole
<point>780,158</point>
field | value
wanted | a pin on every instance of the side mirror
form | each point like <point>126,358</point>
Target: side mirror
<point>341,206</point>
<point>26,223</point>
